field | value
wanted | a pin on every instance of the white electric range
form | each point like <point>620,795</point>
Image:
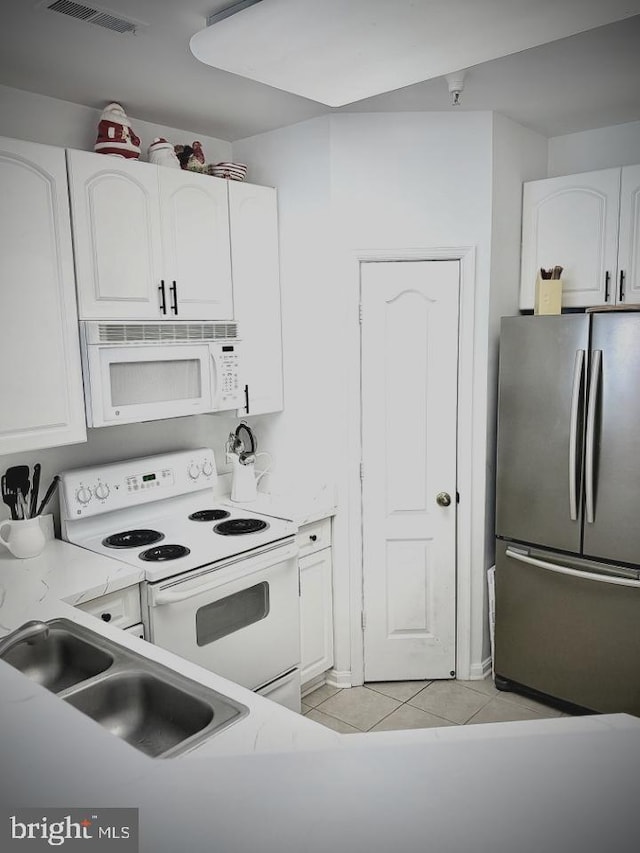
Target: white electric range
<point>221,583</point>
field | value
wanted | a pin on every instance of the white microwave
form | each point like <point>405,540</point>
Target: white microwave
<point>148,371</point>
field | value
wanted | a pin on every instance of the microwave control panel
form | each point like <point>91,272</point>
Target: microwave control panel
<point>230,390</point>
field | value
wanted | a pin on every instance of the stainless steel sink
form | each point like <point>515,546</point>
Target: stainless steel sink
<point>155,709</point>
<point>58,660</point>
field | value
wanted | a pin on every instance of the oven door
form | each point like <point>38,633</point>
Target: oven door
<point>129,384</point>
<point>240,619</point>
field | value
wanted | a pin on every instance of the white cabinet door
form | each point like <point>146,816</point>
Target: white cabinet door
<point>572,221</point>
<point>41,380</point>
<point>316,614</point>
<point>116,229</point>
<point>195,241</point>
<point>628,285</point>
<point>256,288</point>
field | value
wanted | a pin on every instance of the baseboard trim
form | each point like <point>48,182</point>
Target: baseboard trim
<point>313,684</point>
<point>338,678</point>
<point>481,670</point>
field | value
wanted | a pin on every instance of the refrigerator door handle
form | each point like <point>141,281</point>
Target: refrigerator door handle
<point>573,435</point>
<point>564,570</point>
<point>594,380</point>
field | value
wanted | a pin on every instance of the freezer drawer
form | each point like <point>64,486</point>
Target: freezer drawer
<point>572,637</point>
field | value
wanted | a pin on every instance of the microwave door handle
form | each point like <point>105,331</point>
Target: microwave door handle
<point>574,573</point>
<point>215,379</point>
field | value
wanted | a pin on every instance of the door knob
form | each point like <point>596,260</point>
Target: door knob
<point>443,499</point>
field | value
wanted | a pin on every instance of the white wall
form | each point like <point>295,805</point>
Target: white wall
<point>36,118</point>
<point>369,182</point>
<point>603,148</point>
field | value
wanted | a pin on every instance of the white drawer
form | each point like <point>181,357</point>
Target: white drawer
<point>313,537</point>
<point>121,608</point>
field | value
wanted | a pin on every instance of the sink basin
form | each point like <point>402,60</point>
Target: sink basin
<point>151,707</point>
<point>148,713</point>
<point>59,661</point>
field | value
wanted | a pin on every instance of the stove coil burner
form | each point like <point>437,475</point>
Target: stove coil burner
<point>209,515</point>
<point>164,552</point>
<point>132,539</point>
<point>239,526</point>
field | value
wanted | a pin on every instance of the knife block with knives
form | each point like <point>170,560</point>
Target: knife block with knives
<point>548,297</point>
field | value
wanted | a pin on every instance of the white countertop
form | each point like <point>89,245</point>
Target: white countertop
<point>276,781</point>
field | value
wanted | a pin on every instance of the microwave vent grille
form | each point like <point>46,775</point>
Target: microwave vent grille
<point>154,333</point>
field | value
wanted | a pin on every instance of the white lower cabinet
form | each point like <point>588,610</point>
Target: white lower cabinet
<point>41,379</point>
<point>120,609</point>
<point>316,599</point>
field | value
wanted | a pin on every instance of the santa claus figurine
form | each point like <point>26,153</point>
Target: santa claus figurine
<point>115,135</point>
<point>161,153</point>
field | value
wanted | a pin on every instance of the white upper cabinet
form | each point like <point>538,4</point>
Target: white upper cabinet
<point>150,242</point>
<point>572,221</point>
<point>629,250</point>
<point>256,287</point>
<point>41,380</point>
<point>116,230</point>
<point>195,241</point>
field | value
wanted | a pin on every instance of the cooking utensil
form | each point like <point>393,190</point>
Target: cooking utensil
<point>48,495</point>
<point>35,487</point>
<point>9,498</point>
<point>23,506</point>
<point>17,481</point>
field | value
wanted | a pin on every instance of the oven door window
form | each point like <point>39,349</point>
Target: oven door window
<point>231,614</point>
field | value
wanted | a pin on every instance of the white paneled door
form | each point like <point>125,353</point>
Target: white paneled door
<point>409,420</point>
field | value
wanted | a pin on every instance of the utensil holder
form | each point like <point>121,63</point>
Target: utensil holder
<point>548,299</point>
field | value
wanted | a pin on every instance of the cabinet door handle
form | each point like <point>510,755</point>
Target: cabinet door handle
<point>246,398</point>
<point>607,279</point>
<point>163,298</point>
<point>174,290</point>
<point>621,291</point>
<point>313,537</point>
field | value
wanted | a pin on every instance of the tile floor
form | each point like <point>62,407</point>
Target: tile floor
<point>393,705</point>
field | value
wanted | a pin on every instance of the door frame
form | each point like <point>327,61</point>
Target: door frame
<point>469,532</point>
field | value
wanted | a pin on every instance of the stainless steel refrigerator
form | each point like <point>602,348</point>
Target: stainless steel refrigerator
<point>567,582</point>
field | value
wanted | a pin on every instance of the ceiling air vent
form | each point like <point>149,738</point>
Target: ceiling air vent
<point>92,15</point>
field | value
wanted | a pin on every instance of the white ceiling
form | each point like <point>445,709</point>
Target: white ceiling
<point>338,52</point>
<point>575,83</point>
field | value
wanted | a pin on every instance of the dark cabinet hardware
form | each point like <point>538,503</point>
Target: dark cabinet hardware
<point>607,279</point>
<point>163,298</point>
<point>174,291</point>
<point>621,291</point>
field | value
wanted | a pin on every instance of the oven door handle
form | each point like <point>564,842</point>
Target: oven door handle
<point>272,557</point>
<point>164,596</point>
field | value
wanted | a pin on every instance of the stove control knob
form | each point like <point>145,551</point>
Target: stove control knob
<point>83,495</point>
<point>101,491</point>
<point>207,468</point>
<point>193,471</point>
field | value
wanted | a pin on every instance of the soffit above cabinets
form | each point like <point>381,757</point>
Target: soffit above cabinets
<point>338,52</point>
